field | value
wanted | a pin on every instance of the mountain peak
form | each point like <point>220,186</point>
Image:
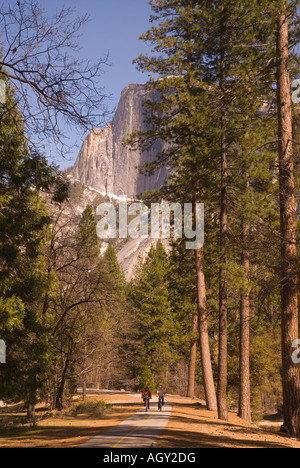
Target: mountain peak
<point>104,164</point>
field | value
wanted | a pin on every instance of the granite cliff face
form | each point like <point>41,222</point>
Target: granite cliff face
<point>104,164</point>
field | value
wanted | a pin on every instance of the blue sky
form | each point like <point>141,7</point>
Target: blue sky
<point>114,28</point>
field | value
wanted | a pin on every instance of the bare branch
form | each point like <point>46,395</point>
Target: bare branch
<point>54,87</point>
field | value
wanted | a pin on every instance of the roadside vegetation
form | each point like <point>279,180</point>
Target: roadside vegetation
<point>218,323</point>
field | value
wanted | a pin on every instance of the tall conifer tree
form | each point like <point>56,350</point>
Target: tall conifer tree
<point>24,223</point>
<point>289,283</point>
<point>209,57</point>
<point>150,298</point>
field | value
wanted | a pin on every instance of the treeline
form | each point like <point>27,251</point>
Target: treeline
<point>70,319</point>
<point>50,272</point>
<point>220,321</point>
<point>224,71</point>
<point>59,304</point>
<point>163,295</point>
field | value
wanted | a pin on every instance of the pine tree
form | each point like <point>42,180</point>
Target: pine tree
<point>24,227</point>
<point>289,289</point>
<point>87,235</point>
<point>114,267</point>
<point>176,119</point>
<point>150,298</point>
<point>146,379</point>
<point>183,298</point>
<point>215,62</point>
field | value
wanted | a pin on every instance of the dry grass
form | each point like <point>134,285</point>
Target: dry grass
<point>65,430</point>
<point>190,426</point>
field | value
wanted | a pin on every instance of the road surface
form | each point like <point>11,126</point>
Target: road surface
<point>139,431</point>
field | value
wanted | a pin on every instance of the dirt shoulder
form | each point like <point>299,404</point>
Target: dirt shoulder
<point>190,426</point>
<point>65,431</point>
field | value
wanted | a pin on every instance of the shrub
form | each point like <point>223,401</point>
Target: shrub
<point>146,379</point>
<point>92,408</point>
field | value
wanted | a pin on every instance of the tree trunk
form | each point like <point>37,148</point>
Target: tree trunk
<point>192,361</point>
<point>31,413</point>
<point>84,389</point>
<point>222,374</point>
<point>84,358</point>
<point>244,390</point>
<point>208,380</point>
<point>289,300</point>
<point>59,402</point>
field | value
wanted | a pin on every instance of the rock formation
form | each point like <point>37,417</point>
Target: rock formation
<point>104,164</point>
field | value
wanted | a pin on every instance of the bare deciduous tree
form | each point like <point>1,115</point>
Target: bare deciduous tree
<point>39,58</point>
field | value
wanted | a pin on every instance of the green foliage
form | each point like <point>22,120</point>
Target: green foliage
<point>183,294</point>
<point>146,379</point>
<point>265,365</point>
<point>114,266</point>
<point>214,60</point>
<point>24,227</point>
<point>64,311</point>
<point>88,240</point>
<point>156,335</point>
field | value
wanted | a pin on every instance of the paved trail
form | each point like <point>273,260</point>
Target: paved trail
<point>139,431</point>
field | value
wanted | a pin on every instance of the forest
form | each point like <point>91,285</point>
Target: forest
<point>221,322</point>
